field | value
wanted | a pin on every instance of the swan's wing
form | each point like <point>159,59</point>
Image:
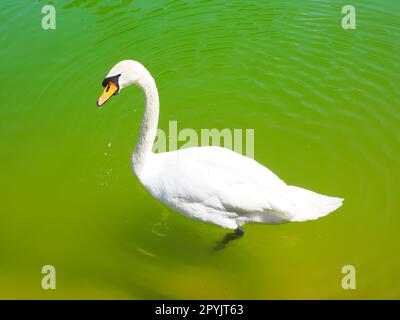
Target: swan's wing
<point>218,179</point>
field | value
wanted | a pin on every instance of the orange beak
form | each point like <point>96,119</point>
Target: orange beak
<point>108,92</point>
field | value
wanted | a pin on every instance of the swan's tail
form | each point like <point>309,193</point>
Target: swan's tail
<point>311,205</point>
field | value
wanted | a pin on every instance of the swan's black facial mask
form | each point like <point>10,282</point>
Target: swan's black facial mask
<point>111,88</point>
<point>113,79</point>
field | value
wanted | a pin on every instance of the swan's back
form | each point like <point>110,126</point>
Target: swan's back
<point>214,180</point>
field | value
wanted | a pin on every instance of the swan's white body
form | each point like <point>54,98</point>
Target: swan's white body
<point>213,184</point>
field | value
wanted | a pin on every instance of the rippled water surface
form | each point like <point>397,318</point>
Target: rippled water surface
<point>324,104</point>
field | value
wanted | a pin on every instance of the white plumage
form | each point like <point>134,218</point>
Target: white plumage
<point>212,184</point>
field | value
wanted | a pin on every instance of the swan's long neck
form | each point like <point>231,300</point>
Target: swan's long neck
<point>148,130</point>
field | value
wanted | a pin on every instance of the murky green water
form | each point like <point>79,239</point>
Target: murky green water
<point>324,104</point>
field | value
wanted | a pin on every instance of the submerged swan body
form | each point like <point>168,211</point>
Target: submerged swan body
<point>211,184</point>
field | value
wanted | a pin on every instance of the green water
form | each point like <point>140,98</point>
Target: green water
<point>324,104</point>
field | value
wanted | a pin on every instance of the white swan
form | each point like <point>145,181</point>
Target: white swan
<point>211,184</point>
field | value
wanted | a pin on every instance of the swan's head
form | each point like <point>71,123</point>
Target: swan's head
<point>123,74</point>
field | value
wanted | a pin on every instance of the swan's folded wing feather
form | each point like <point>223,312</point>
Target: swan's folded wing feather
<point>220,179</point>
